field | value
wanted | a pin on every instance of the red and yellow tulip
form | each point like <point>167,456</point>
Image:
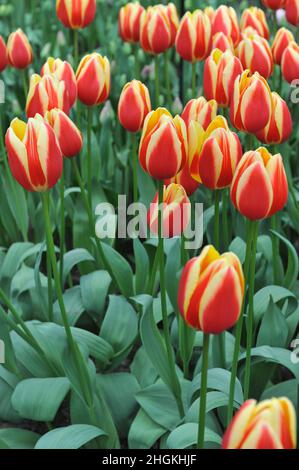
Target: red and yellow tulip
<point>259,188</point>
<point>280,125</point>
<point>76,14</point>
<point>270,424</point>
<point>225,19</point>
<point>211,291</point>
<point>290,62</point>
<point>67,133</point>
<point>62,70</point>
<point>281,41</point>
<point>158,26</point>
<point>46,93</point>
<point>255,18</point>
<point>176,211</point>
<point>163,147</point>
<point>93,79</point>
<point>134,105</point>
<point>193,41</point>
<point>3,55</point>
<point>19,50</point>
<point>214,154</point>
<point>222,42</point>
<point>200,110</point>
<point>292,11</point>
<point>255,54</point>
<point>129,21</point>
<point>251,103</point>
<point>220,72</point>
<point>34,154</point>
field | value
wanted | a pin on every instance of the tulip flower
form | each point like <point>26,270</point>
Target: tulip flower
<point>129,21</point>
<point>173,17</point>
<point>134,105</point>
<point>19,50</point>
<point>200,110</point>
<point>64,72</point>
<point>210,12</point>
<point>259,188</point>
<point>225,20</point>
<point>193,39</point>
<point>270,424</point>
<point>93,79</point>
<point>292,11</point>
<point>220,72</point>
<point>67,133</point>
<point>211,291</point>
<point>3,55</point>
<point>256,19</point>
<point>163,146</point>
<point>156,29</point>
<point>281,41</point>
<point>290,62</point>
<point>222,42</point>
<point>255,54</point>
<point>251,103</point>
<point>274,4</point>
<point>184,179</point>
<point>280,126</point>
<point>76,14</point>
<point>34,155</point>
<point>46,93</point>
<point>218,154</point>
<point>176,211</point>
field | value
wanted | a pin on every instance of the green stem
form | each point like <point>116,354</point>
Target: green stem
<point>76,353</point>
<point>89,159</point>
<point>176,388</point>
<point>167,79</point>
<point>184,254</point>
<point>50,288</point>
<point>193,79</point>
<point>25,84</point>
<point>99,252</point>
<point>250,319</point>
<point>76,48</point>
<point>137,68</point>
<point>135,165</point>
<point>216,219</point>
<point>239,327</point>
<point>157,82</point>
<point>203,393</point>
<point>225,196</point>
<point>62,227</point>
<point>275,249</point>
<point>151,286</point>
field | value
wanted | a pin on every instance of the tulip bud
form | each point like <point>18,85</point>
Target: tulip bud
<point>3,55</point>
<point>93,79</point>
<point>255,54</point>
<point>211,291</point>
<point>251,103</point>
<point>259,188</point>
<point>19,50</point>
<point>193,39</point>
<point>290,62</point>
<point>67,133</point>
<point>184,179</point>
<point>64,72</point>
<point>134,105</point>
<point>220,72</point>
<point>156,30</point>
<point>218,154</point>
<point>222,42</point>
<point>174,21</point>
<point>176,211</point>
<point>270,424</point>
<point>76,14</point>
<point>46,93</point>
<point>274,4</point>
<point>129,22</point>
<point>292,11</point>
<point>280,126</point>
<point>281,41</point>
<point>200,110</point>
<point>163,146</point>
<point>225,20</point>
<point>256,19</point>
<point>34,155</point>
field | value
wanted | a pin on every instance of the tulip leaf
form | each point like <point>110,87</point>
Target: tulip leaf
<point>292,271</point>
<point>144,431</point>
<point>141,266</point>
<point>69,437</point>
<point>185,436</point>
<point>15,438</point>
<point>121,270</point>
